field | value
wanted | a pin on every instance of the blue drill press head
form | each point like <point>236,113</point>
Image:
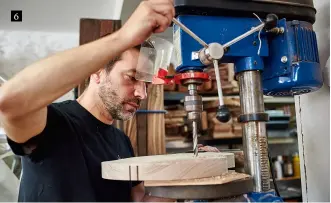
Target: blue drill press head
<point>287,54</point>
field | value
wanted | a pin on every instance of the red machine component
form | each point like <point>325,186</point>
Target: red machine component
<point>162,77</point>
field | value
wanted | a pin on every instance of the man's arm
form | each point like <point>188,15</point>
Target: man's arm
<point>24,98</point>
<point>139,195</point>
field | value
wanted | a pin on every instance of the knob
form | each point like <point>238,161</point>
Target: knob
<point>223,114</point>
<point>271,21</point>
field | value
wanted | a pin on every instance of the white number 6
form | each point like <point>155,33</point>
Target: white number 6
<point>16,16</point>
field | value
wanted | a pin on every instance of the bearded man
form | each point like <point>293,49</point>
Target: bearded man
<point>63,144</point>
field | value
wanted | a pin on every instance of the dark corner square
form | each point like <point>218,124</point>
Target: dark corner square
<point>16,16</point>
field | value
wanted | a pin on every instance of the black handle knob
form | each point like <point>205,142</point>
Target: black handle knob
<point>270,21</point>
<point>223,114</point>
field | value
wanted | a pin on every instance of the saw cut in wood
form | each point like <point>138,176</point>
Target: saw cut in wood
<point>168,167</point>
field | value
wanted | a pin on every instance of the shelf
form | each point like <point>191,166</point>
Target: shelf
<point>235,140</point>
<point>278,100</point>
<point>288,178</point>
<point>178,96</point>
<point>282,140</point>
<point>174,138</point>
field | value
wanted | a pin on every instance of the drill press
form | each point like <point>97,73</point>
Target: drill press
<point>275,56</point>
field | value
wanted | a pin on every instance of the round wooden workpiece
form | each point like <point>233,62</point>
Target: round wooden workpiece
<point>168,167</point>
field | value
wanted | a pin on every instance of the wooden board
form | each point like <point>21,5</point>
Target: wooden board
<point>155,122</point>
<point>130,129</point>
<point>142,127</point>
<point>93,29</point>
<point>168,167</point>
<point>214,180</point>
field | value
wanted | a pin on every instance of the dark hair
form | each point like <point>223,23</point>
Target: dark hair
<point>111,63</point>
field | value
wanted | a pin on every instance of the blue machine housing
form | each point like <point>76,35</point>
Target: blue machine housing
<point>297,73</point>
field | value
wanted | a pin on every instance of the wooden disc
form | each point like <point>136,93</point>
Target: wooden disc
<point>213,180</point>
<point>168,167</point>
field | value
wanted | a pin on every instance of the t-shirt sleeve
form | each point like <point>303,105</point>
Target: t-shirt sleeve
<point>38,146</point>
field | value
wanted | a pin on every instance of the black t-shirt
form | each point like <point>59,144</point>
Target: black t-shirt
<point>63,163</point>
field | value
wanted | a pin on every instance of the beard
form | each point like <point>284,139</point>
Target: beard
<point>114,104</point>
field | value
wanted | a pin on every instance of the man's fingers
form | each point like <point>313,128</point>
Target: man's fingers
<point>164,8</point>
<point>162,22</point>
<point>162,1</point>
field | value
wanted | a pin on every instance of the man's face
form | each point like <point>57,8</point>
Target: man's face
<point>119,91</point>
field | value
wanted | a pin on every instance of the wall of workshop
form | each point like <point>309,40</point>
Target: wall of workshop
<point>313,120</point>
<point>47,27</point>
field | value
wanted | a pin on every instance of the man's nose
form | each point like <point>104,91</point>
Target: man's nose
<point>140,90</point>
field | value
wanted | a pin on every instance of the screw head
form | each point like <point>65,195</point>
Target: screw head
<point>216,51</point>
<point>283,59</point>
<point>282,30</point>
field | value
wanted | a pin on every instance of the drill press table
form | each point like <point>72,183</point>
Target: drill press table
<point>227,185</point>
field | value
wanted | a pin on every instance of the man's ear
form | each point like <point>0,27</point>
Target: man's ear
<point>96,77</point>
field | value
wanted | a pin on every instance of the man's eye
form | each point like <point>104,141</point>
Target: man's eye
<point>132,78</point>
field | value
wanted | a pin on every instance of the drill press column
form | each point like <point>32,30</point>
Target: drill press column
<point>254,129</point>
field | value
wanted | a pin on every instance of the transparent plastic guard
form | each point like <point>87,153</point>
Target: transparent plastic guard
<point>151,60</point>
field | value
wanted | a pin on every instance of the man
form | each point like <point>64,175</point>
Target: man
<point>62,145</point>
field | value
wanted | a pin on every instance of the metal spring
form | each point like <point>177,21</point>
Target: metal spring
<point>264,163</point>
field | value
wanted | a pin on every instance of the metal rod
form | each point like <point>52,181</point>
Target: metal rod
<point>218,82</point>
<point>259,27</point>
<point>195,138</point>
<point>3,79</point>
<point>189,32</point>
<point>254,132</point>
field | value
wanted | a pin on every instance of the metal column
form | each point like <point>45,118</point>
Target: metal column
<point>253,118</point>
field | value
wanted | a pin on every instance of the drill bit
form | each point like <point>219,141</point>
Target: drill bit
<point>195,138</point>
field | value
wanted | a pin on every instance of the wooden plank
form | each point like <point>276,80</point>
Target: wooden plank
<point>175,114</point>
<point>168,167</point>
<point>130,129</point>
<point>93,29</point>
<point>214,180</point>
<point>155,121</point>
<point>142,128</point>
<point>204,121</point>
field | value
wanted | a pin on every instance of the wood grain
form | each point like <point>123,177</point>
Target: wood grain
<point>130,129</point>
<point>142,128</point>
<point>168,167</point>
<point>156,124</point>
<point>214,180</point>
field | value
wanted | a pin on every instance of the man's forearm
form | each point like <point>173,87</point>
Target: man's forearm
<point>44,81</point>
